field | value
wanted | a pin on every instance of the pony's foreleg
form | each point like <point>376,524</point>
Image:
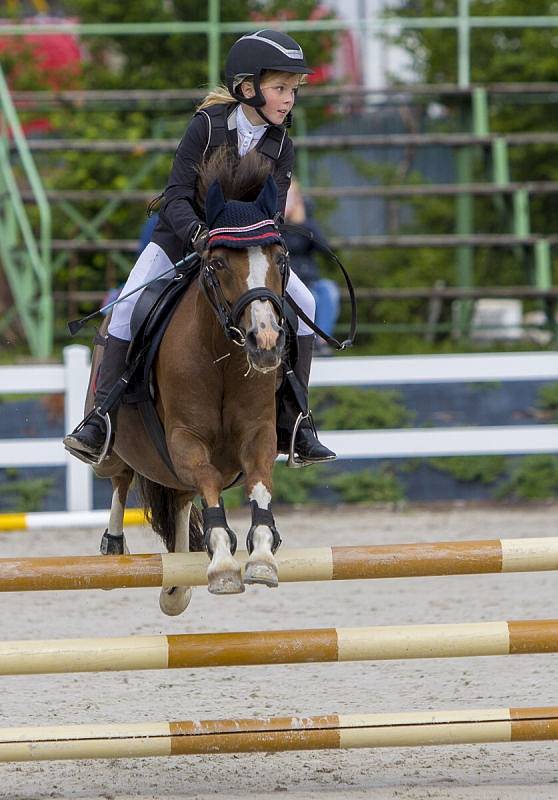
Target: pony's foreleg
<point>113,542</point>
<point>263,538</point>
<point>262,541</point>
<point>192,465</point>
<point>224,575</point>
<point>174,600</point>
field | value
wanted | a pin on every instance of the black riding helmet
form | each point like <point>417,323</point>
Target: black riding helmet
<point>256,52</point>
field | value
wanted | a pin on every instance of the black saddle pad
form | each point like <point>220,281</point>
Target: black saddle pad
<point>152,314</point>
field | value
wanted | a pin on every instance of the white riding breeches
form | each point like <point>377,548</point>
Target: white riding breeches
<point>153,262</point>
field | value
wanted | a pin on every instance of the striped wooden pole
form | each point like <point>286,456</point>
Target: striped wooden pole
<point>41,520</point>
<point>330,732</point>
<point>278,647</point>
<point>313,564</point>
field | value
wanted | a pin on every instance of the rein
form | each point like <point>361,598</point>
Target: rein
<point>331,340</point>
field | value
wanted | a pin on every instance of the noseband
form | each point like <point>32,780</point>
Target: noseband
<point>229,316</point>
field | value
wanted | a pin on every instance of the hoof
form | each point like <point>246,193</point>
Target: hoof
<point>113,544</point>
<point>225,582</point>
<point>175,600</point>
<point>261,572</point>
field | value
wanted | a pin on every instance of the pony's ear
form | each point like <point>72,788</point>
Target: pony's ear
<point>267,198</point>
<point>214,203</point>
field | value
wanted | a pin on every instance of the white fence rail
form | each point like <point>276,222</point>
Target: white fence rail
<point>71,380</point>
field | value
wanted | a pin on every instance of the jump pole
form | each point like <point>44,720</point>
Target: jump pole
<point>278,647</point>
<point>331,732</point>
<point>313,564</point>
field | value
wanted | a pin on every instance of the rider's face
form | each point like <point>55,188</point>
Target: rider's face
<point>279,91</point>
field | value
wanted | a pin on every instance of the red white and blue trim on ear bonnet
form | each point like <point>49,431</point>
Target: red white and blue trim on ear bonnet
<point>239,224</point>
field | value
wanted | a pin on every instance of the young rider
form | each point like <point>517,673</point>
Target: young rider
<point>263,72</point>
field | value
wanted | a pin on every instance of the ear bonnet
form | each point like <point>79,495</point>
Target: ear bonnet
<point>238,224</point>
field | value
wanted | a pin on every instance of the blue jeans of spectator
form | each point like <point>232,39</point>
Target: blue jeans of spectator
<point>326,293</point>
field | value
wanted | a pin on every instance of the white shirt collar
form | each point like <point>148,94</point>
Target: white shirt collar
<point>248,135</point>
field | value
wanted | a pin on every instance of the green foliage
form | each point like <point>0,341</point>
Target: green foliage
<point>234,497</point>
<point>369,486</point>
<point>481,469</point>
<point>350,408</point>
<point>24,495</point>
<point>533,478</point>
<point>547,399</point>
<point>290,486</point>
<point>295,486</point>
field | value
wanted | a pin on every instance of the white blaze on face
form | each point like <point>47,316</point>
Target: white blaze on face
<point>262,318</point>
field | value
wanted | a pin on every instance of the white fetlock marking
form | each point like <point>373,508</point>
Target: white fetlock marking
<point>221,548</point>
<point>116,519</point>
<point>261,495</point>
<point>223,574</point>
<point>261,566</point>
<point>263,538</point>
<point>263,542</point>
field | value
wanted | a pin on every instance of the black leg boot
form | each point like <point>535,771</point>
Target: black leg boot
<point>307,445</point>
<point>91,437</point>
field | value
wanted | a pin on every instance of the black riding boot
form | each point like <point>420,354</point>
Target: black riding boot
<point>307,445</point>
<point>91,438</point>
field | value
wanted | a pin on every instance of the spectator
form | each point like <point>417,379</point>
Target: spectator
<point>302,250</point>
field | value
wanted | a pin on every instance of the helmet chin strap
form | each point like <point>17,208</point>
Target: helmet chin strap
<point>257,101</point>
<point>262,115</point>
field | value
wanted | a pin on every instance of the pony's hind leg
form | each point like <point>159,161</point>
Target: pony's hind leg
<point>173,600</point>
<point>113,542</point>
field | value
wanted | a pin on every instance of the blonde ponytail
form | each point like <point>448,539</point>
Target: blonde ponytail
<point>218,95</point>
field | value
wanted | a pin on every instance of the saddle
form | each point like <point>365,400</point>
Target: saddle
<point>150,319</point>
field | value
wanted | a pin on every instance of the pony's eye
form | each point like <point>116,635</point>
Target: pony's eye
<point>218,263</point>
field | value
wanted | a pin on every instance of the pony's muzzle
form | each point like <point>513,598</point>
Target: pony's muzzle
<point>264,348</point>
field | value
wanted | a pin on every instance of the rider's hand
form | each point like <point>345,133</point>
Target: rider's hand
<point>198,242</point>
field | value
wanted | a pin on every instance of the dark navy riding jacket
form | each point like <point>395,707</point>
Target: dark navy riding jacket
<point>179,214</point>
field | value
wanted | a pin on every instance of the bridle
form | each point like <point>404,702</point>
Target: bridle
<point>229,316</point>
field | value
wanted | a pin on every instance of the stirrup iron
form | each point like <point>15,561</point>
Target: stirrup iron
<point>294,461</point>
<point>89,458</point>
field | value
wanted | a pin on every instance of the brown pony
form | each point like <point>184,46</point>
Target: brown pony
<point>215,377</point>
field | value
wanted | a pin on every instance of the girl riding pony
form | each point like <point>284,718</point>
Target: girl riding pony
<point>263,72</point>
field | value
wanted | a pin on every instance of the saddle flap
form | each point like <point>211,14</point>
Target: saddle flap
<point>146,304</point>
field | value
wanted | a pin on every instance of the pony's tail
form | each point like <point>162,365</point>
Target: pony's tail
<point>161,506</point>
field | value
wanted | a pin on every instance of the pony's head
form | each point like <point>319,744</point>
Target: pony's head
<point>245,266</point>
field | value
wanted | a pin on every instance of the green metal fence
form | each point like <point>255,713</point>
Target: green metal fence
<point>26,249</point>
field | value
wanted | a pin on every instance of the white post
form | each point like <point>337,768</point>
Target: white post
<point>79,476</point>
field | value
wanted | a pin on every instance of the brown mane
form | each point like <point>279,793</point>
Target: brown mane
<point>240,178</point>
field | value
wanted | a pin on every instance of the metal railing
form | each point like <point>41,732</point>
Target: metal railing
<point>475,122</point>
<point>27,262</point>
